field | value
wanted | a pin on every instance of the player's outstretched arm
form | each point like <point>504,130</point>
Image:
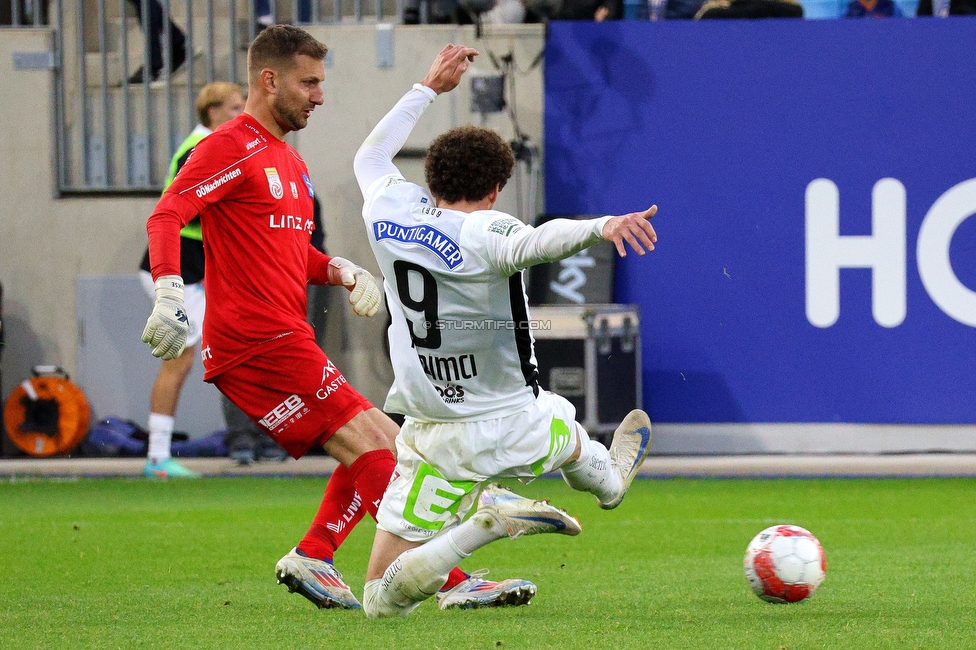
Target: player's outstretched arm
<point>633,228</point>
<point>523,246</point>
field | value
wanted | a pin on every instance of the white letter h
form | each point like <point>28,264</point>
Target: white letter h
<point>883,252</point>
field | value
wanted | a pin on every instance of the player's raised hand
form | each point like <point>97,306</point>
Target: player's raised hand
<point>168,325</point>
<point>364,295</point>
<point>447,69</point>
<point>633,228</point>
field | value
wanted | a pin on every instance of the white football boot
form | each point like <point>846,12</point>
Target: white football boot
<point>631,442</point>
<point>519,516</point>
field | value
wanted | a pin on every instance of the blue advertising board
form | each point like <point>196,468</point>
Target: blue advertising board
<point>815,261</point>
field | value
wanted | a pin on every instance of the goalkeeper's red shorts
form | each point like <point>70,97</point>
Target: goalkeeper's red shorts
<point>294,393</point>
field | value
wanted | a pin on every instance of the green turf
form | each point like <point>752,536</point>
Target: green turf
<point>133,563</point>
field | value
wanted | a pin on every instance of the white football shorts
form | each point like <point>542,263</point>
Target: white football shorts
<point>442,465</point>
<point>194,301</point>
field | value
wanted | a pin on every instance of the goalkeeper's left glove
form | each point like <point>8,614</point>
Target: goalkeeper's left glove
<point>364,295</point>
<point>168,325</point>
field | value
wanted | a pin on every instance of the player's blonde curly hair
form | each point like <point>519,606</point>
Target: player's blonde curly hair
<point>467,163</point>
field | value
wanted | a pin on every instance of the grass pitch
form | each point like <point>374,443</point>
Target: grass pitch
<point>133,563</point>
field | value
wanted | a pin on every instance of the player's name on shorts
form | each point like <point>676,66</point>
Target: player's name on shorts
<point>486,324</point>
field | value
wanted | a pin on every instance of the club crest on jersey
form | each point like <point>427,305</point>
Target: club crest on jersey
<point>308,185</point>
<point>427,236</point>
<point>274,182</point>
<point>294,189</point>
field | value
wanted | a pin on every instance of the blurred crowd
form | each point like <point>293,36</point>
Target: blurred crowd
<point>536,11</point>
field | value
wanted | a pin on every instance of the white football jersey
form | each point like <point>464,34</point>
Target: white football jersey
<point>460,341</point>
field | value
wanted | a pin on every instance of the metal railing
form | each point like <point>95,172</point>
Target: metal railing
<point>116,131</point>
<point>23,13</point>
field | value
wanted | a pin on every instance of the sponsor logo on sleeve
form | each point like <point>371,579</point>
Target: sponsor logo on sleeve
<point>505,226</point>
<point>422,235</point>
<point>308,185</point>
<point>206,188</point>
<point>274,182</point>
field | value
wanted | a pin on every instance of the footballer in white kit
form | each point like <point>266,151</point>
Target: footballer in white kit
<point>460,340</point>
<point>461,347</point>
<point>462,352</point>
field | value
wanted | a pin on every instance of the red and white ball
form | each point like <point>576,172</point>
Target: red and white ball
<point>785,564</point>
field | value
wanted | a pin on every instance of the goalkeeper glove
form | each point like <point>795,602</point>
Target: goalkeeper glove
<point>167,327</point>
<point>364,295</point>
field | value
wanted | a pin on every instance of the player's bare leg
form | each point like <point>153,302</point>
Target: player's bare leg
<point>162,409</point>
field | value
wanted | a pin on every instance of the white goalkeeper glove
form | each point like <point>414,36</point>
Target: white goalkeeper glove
<point>167,327</point>
<point>364,295</point>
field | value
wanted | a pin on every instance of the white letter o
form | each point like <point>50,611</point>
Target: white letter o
<point>934,265</point>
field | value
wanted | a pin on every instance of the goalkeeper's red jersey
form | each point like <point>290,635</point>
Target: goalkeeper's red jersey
<point>254,197</point>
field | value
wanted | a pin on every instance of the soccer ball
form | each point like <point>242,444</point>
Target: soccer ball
<point>784,564</point>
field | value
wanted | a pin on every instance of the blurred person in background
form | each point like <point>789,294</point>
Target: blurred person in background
<point>956,8</point>
<point>216,104</point>
<point>177,42</point>
<point>873,9</point>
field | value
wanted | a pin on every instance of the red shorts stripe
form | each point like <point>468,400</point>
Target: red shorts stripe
<point>294,393</point>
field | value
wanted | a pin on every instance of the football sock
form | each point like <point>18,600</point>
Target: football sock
<point>380,601</point>
<point>418,574</point>
<point>160,436</point>
<point>304,554</point>
<point>371,474</point>
<point>593,472</point>
<point>412,578</point>
<point>340,510</point>
<point>479,530</point>
<point>350,493</point>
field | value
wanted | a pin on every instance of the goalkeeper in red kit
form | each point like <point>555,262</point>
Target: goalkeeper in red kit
<point>254,197</point>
